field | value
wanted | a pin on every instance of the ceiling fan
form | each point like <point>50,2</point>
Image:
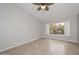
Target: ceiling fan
<point>43,6</point>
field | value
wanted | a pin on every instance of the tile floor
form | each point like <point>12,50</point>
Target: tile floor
<point>45,47</point>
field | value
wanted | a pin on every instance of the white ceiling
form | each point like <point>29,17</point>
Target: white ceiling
<point>58,11</point>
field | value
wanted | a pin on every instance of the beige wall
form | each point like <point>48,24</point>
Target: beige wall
<point>17,26</point>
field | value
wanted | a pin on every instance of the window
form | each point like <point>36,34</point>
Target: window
<point>56,28</point>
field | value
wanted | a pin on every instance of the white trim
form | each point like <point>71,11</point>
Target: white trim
<point>67,40</point>
<point>20,44</point>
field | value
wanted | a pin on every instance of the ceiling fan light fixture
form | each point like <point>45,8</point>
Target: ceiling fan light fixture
<point>43,7</point>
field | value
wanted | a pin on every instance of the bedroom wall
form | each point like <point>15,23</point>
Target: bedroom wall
<point>17,26</point>
<point>78,27</point>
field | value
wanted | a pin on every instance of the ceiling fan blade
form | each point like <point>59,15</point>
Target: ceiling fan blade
<point>39,8</point>
<point>46,8</point>
<point>48,4</point>
<point>36,3</point>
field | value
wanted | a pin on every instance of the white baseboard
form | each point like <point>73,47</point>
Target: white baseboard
<point>63,40</point>
<point>68,40</point>
<point>20,44</point>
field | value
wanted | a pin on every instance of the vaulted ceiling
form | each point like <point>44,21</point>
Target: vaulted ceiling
<point>58,11</point>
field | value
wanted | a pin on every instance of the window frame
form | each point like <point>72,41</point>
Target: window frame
<point>68,22</point>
